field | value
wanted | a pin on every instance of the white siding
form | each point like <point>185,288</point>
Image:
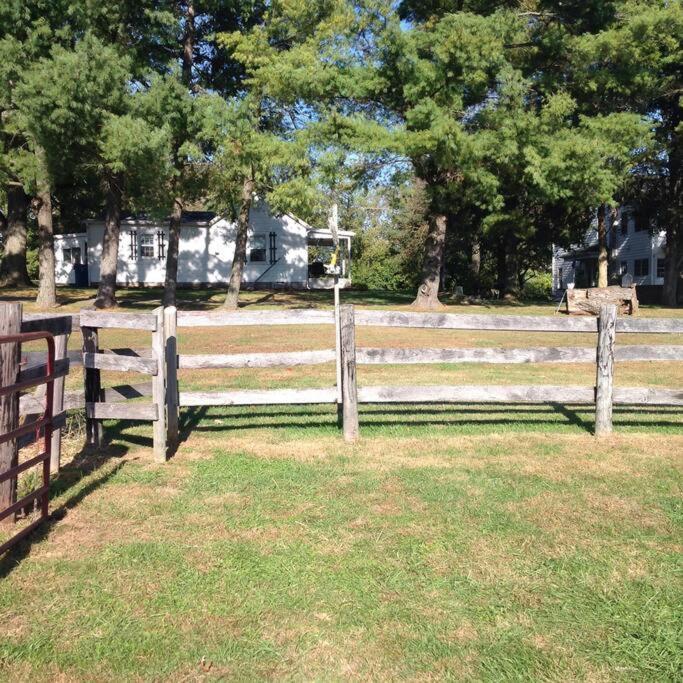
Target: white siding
<point>64,271</point>
<point>207,250</point>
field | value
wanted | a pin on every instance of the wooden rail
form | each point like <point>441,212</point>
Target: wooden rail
<point>604,355</point>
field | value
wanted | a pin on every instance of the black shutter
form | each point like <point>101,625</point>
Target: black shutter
<point>273,247</point>
<point>133,244</point>
<point>161,242</point>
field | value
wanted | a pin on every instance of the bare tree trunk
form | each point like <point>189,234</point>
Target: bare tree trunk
<point>47,290</point>
<point>673,277</point>
<point>171,281</point>
<point>428,291</point>
<point>511,269</point>
<point>603,255</point>
<point>240,256</point>
<point>13,271</point>
<point>106,292</point>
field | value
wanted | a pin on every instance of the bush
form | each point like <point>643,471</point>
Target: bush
<point>539,287</point>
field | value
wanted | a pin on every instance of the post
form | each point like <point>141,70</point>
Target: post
<point>349,388</point>
<point>171,365</point>
<point>337,350</point>
<point>58,402</point>
<point>604,383</point>
<point>159,387</point>
<point>10,323</point>
<point>93,388</point>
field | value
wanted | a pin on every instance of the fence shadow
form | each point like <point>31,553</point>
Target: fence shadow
<point>84,464</point>
<point>458,417</point>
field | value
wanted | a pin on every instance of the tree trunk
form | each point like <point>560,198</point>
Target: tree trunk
<point>511,268</point>
<point>671,268</point>
<point>188,44</point>
<point>106,292</point>
<point>240,256</point>
<point>674,206</point>
<point>475,263</point>
<point>603,255</point>
<point>171,281</point>
<point>47,290</point>
<point>428,291</point>
<point>13,271</point>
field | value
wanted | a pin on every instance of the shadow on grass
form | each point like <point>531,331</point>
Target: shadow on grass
<point>470,417</point>
<point>84,464</point>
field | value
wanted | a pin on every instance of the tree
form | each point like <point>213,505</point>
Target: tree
<point>632,60</point>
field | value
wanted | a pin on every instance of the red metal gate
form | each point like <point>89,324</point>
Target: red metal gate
<point>41,493</point>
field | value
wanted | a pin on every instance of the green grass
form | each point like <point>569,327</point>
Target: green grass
<point>275,552</point>
<point>452,542</point>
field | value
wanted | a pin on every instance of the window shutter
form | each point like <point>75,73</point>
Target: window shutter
<point>161,243</point>
<point>133,244</point>
<point>273,247</point>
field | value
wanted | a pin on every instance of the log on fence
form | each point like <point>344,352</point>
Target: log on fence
<point>123,321</point>
<point>476,394</point>
<point>226,318</point>
<point>564,395</point>
<point>120,363</point>
<point>255,360</point>
<point>258,397</point>
<point>121,411</point>
<point>519,323</point>
<point>55,323</point>
<point>61,369</point>
<point>538,354</point>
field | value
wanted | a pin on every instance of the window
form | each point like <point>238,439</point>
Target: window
<point>641,267</point>
<point>257,251</point>
<point>72,255</point>
<point>661,266</point>
<point>624,222</point>
<point>147,246</point>
<point>642,220</point>
<point>623,267</point>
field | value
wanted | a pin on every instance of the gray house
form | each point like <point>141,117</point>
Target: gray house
<point>634,248</point>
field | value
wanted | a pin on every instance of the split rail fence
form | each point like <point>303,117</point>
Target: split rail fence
<point>603,395</point>
<point>161,361</point>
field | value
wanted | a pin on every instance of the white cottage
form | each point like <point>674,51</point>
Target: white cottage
<point>277,252</point>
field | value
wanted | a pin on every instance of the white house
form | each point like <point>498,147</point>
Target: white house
<point>634,248</point>
<point>277,252</point>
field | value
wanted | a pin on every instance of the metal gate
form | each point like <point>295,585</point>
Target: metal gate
<point>41,493</point>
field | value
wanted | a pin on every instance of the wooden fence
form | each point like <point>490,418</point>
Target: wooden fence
<point>162,360</point>
<point>348,357</point>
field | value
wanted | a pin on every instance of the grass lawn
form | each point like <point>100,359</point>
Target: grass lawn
<point>458,542</point>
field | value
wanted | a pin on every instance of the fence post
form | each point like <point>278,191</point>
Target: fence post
<point>348,368</point>
<point>338,354</point>
<point>159,387</point>
<point>93,389</point>
<point>171,350</point>
<point>61,342</point>
<point>10,357</point>
<point>604,383</point>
